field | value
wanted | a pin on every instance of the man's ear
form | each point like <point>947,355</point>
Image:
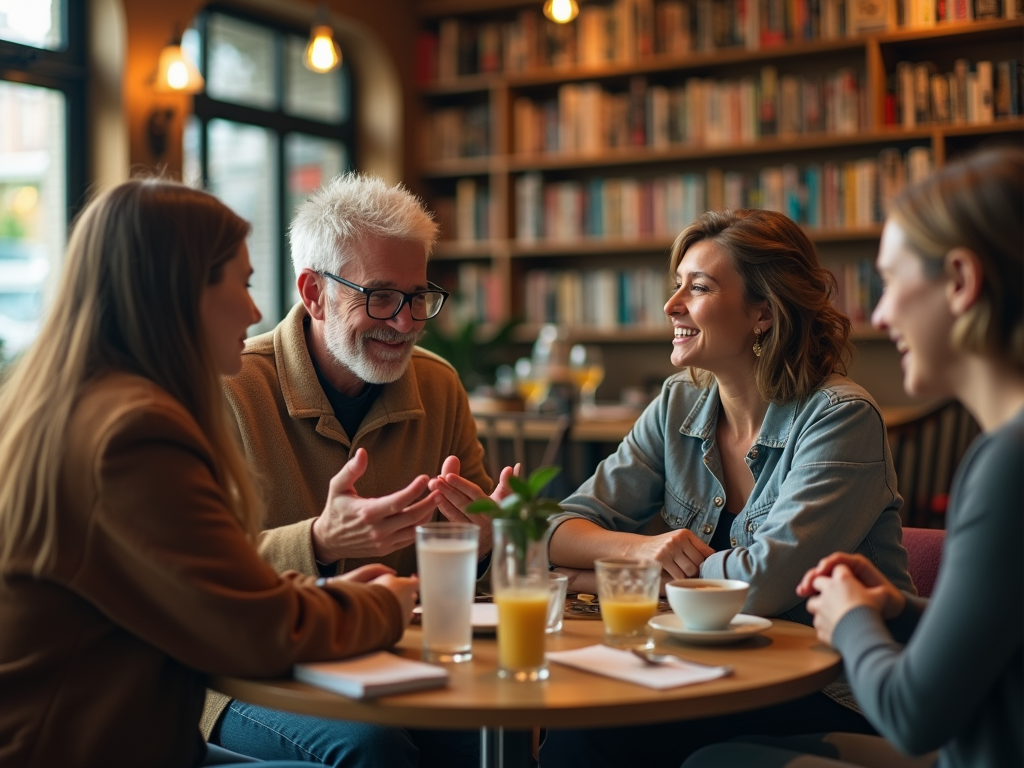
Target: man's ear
<point>312,293</point>
<point>965,277</point>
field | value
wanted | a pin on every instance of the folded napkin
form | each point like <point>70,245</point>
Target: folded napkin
<point>623,665</point>
<point>375,674</point>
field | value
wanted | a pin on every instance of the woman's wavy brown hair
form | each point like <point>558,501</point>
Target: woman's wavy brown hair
<point>976,203</point>
<point>809,338</point>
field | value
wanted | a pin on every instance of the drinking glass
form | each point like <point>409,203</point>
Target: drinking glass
<point>446,555</point>
<point>556,601</point>
<point>519,580</point>
<point>532,383</point>
<point>586,366</point>
<point>628,592</point>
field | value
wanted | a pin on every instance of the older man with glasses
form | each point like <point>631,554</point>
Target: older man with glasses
<point>341,384</point>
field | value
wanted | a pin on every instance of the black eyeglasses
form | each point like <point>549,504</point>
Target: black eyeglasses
<point>385,303</point>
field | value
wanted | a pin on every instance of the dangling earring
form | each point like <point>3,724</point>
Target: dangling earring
<point>757,342</point>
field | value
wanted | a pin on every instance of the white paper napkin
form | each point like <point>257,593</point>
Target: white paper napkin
<point>623,665</point>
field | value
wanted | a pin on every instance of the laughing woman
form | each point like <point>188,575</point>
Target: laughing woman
<point>946,673</point>
<point>757,460</point>
<point>127,518</point>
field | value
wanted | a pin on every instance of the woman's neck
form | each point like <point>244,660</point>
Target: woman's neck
<point>992,391</point>
<point>743,408</point>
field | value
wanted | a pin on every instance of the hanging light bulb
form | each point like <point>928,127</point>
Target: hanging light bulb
<point>175,72</point>
<point>561,11</point>
<point>322,53</point>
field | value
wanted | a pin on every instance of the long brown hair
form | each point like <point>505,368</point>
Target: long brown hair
<point>809,338</point>
<point>976,203</point>
<point>138,260</point>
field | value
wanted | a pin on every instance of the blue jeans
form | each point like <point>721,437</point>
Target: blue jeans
<point>269,734</point>
<point>222,758</point>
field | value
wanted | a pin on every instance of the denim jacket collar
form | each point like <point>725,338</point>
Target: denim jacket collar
<point>775,430</point>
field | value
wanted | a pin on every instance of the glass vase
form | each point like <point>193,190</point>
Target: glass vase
<point>519,581</point>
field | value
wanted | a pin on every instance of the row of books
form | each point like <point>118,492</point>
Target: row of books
<point>455,132</point>
<point>479,296</point>
<point>626,31</point>
<point>830,195</point>
<point>978,93</point>
<point>859,288</point>
<point>597,298</point>
<point>585,118</point>
<point>466,217</point>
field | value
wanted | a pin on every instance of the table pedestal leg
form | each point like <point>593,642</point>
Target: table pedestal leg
<point>500,748</point>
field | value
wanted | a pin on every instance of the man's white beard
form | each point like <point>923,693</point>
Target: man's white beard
<point>384,367</point>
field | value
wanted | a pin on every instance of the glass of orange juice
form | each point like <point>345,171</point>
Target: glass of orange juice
<point>520,583</point>
<point>628,592</point>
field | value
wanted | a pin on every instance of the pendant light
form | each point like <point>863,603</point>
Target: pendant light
<point>322,53</point>
<point>561,11</point>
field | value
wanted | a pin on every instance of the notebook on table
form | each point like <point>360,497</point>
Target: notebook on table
<point>375,674</point>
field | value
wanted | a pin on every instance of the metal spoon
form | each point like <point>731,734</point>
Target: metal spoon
<point>653,659</point>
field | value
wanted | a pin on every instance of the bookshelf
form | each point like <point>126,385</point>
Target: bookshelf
<point>562,161</point>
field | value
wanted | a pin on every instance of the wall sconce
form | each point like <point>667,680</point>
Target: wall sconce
<point>175,73</point>
<point>561,11</point>
<point>322,53</point>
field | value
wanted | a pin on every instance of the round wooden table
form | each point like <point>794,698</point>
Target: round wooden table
<point>783,663</point>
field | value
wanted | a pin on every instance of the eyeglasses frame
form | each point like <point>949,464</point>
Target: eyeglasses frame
<point>406,297</point>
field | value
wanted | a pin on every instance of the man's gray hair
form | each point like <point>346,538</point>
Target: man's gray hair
<point>346,209</point>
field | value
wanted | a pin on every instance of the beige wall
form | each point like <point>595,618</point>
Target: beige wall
<point>377,36</point>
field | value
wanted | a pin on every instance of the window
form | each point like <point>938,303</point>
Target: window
<point>42,155</point>
<point>266,133</point>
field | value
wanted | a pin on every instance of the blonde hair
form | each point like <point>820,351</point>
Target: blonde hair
<point>976,203</point>
<point>809,338</point>
<point>138,260</point>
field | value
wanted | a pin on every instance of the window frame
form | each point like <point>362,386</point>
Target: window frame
<point>278,121</point>
<point>61,70</point>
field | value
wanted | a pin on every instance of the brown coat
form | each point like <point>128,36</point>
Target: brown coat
<point>154,585</point>
<point>296,445</point>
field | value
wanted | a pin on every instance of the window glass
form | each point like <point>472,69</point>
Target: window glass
<point>32,22</point>
<point>312,94</point>
<point>242,173</point>
<point>309,162</point>
<point>241,62</point>
<point>33,217</point>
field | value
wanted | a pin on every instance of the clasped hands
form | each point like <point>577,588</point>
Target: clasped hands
<point>841,582</point>
<point>352,526</point>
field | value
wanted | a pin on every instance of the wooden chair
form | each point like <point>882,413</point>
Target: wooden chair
<point>926,451</point>
<point>507,437</point>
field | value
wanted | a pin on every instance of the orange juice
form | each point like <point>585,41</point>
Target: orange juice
<point>627,614</point>
<point>522,621</point>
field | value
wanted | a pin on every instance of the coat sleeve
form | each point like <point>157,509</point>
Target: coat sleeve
<point>166,560</point>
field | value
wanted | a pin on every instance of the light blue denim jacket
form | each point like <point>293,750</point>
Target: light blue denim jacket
<point>823,481</point>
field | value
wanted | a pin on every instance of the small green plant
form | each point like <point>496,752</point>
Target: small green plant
<point>471,351</point>
<point>524,505</point>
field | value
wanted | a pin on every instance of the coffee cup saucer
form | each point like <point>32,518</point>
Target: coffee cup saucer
<point>742,627</point>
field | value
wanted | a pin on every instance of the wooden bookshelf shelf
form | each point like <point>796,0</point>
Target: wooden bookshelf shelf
<point>574,195</point>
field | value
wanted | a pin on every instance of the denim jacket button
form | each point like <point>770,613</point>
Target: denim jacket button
<point>753,452</point>
<point>719,501</point>
<point>734,542</point>
<point>706,528</point>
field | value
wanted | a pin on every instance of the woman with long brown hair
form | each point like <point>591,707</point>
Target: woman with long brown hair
<point>127,516</point>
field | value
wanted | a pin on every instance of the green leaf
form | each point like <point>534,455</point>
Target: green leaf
<point>540,478</point>
<point>511,503</point>
<point>483,505</point>
<point>521,488</point>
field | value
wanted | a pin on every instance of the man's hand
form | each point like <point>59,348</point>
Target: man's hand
<point>680,553</point>
<point>457,493</point>
<point>351,526</point>
<point>842,582</point>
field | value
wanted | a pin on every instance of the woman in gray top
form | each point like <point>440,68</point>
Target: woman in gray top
<point>760,459</point>
<point>947,673</point>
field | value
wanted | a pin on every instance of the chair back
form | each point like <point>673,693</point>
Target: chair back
<point>925,452</point>
<point>507,435</point>
<point>924,555</point>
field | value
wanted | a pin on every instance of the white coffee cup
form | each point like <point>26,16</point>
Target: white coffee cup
<point>706,604</point>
